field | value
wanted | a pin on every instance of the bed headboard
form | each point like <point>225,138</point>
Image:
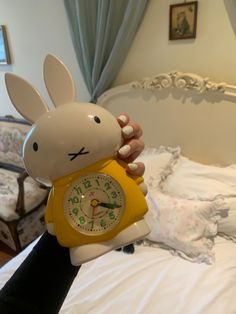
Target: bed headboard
<point>181,109</point>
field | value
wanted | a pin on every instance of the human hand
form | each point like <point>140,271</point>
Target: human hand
<point>132,145</point>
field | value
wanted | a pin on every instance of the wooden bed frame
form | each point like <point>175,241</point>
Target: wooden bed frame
<point>187,110</point>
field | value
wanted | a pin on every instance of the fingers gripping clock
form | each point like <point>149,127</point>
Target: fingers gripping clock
<point>94,204</point>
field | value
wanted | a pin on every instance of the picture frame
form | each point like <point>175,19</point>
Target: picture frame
<point>183,20</point>
<point>4,48</point>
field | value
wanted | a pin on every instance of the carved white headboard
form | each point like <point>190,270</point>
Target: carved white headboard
<point>181,109</point>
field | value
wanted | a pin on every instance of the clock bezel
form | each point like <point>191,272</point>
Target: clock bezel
<point>101,177</point>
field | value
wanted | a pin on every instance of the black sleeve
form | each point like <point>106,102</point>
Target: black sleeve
<point>42,282</point>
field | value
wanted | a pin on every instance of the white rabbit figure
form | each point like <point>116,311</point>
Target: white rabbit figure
<point>94,206</point>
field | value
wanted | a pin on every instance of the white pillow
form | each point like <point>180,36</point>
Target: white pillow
<point>227,226</point>
<point>158,163</point>
<point>188,227</point>
<point>192,180</point>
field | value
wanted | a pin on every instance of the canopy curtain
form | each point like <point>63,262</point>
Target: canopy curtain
<point>102,32</point>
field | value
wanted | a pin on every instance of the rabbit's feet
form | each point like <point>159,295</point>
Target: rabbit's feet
<point>85,253</point>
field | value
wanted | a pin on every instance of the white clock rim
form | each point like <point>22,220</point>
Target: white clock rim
<point>101,231</point>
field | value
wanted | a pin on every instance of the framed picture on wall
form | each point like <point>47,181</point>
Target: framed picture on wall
<point>4,50</point>
<point>183,20</point>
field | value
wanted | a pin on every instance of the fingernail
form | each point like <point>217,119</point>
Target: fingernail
<point>133,166</point>
<point>124,150</point>
<point>123,118</point>
<point>128,130</point>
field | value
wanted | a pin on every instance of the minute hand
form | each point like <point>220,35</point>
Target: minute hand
<point>109,205</point>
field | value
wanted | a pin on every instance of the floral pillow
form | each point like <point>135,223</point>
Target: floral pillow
<point>187,227</point>
<point>195,181</point>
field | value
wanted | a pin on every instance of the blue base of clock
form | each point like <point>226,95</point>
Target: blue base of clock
<point>128,249</point>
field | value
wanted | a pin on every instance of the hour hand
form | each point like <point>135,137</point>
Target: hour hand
<point>109,205</point>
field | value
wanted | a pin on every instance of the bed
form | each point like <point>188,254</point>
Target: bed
<point>187,264</point>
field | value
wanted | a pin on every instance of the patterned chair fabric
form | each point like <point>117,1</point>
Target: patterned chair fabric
<point>22,200</point>
<point>12,136</point>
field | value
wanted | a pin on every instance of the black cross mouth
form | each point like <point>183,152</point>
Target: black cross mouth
<point>81,152</point>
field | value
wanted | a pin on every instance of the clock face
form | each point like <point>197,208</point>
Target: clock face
<point>94,204</point>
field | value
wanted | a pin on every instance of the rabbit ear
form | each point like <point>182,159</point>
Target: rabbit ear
<point>25,97</point>
<point>58,81</point>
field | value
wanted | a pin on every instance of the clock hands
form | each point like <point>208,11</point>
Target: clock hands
<point>94,203</point>
<point>109,205</point>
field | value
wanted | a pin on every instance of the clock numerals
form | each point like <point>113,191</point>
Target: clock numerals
<point>77,189</point>
<point>87,184</point>
<point>73,200</point>
<point>82,220</point>
<point>107,186</point>
<point>75,211</point>
<point>114,194</point>
<point>103,223</point>
<point>111,215</point>
<point>94,204</point>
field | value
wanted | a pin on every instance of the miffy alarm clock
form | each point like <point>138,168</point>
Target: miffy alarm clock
<point>93,206</point>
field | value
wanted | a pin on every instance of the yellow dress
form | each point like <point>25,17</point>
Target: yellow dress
<point>135,203</point>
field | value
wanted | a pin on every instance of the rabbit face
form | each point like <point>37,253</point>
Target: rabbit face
<point>68,139</point>
<point>72,136</point>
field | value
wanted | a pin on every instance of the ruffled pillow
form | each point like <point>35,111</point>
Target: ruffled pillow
<point>158,163</point>
<point>186,227</point>
<point>190,179</point>
<point>195,181</point>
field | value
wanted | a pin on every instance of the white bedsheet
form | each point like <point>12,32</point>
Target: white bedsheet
<point>150,281</point>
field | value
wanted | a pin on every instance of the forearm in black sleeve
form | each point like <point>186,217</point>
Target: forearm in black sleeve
<point>42,282</point>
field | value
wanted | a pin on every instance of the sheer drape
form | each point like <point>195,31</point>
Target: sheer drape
<point>102,32</point>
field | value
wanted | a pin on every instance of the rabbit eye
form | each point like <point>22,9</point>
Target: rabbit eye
<point>35,147</point>
<point>97,119</point>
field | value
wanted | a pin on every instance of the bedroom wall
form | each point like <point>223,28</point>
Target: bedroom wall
<point>212,53</point>
<point>38,27</point>
<point>34,29</point>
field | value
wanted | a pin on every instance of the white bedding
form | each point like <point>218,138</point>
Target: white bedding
<point>157,279</point>
<point>153,280</point>
<point>150,281</point>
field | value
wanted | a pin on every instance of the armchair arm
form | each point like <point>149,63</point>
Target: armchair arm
<point>20,204</point>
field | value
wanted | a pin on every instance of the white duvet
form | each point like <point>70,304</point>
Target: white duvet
<point>150,281</point>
